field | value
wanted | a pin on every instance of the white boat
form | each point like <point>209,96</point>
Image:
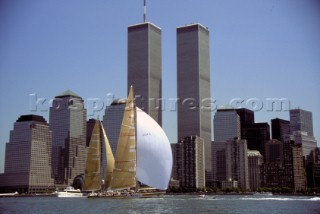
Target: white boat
<point>143,156</point>
<point>9,194</point>
<point>69,192</point>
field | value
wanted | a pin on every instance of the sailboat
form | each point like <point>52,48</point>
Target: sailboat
<point>97,177</point>
<point>143,155</point>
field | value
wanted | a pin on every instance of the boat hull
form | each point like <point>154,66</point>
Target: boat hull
<point>68,194</point>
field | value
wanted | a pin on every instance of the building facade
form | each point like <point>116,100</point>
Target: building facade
<point>279,128</point>
<point>257,135</point>
<point>237,162</point>
<point>145,68</point>
<point>68,126</point>
<point>301,127</point>
<point>226,125</point>
<point>246,118</point>
<point>255,161</point>
<point>193,84</point>
<point>189,162</point>
<point>313,168</point>
<point>28,157</point>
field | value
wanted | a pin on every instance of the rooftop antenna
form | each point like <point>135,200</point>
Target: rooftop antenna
<point>144,11</point>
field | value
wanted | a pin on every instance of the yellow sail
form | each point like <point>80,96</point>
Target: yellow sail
<point>109,158</point>
<point>93,165</point>
<point>124,172</point>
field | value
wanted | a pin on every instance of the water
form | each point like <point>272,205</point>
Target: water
<point>167,204</point>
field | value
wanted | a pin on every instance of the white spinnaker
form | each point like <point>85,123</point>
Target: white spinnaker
<point>154,156</point>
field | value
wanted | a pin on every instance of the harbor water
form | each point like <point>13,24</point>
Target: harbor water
<point>166,204</point>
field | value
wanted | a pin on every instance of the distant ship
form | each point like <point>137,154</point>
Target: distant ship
<point>143,157</point>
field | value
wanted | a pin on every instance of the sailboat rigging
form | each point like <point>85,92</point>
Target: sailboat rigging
<point>143,154</point>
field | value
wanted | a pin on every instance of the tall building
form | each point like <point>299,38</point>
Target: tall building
<point>279,128</point>
<point>189,164</point>
<point>237,162</point>
<point>313,168</point>
<point>193,84</point>
<point>274,151</point>
<point>287,170</point>
<point>301,120</point>
<point>68,126</point>
<point>28,157</point>
<point>294,165</point>
<point>246,118</point>
<point>144,68</point>
<point>255,161</point>
<point>301,127</point>
<point>257,135</point>
<point>219,161</point>
<point>90,125</point>
<point>112,120</point>
<point>226,125</point>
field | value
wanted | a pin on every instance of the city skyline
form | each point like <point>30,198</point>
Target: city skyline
<point>257,50</point>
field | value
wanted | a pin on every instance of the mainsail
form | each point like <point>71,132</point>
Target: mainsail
<point>93,166</point>
<point>154,156</point>
<point>124,172</point>
<point>109,158</point>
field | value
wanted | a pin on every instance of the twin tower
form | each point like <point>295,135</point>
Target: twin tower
<point>193,78</point>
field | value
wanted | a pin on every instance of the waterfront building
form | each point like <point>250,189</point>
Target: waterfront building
<point>313,168</point>
<point>257,134</point>
<point>274,151</point>
<point>112,120</point>
<point>226,125</point>
<point>193,84</point>
<point>68,126</point>
<point>255,161</point>
<point>28,157</point>
<point>246,118</point>
<point>301,127</point>
<point>279,128</point>
<point>237,162</point>
<point>286,169</point>
<point>294,165</point>
<point>90,125</point>
<point>145,68</point>
<point>189,162</point>
<point>219,161</point>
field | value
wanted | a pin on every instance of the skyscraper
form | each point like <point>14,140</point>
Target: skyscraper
<point>257,135</point>
<point>280,128</point>
<point>145,68</point>
<point>193,81</point>
<point>226,125</point>
<point>28,157</point>
<point>246,119</point>
<point>301,120</point>
<point>68,126</point>
<point>189,163</point>
<point>237,162</point>
<point>255,161</point>
<point>301,127</point>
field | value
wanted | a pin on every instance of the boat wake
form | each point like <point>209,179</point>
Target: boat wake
<point>281,199</point>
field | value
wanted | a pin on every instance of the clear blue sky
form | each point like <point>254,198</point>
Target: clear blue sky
<point>258,49</point>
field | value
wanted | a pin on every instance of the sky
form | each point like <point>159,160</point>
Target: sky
<point>259,50</point>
